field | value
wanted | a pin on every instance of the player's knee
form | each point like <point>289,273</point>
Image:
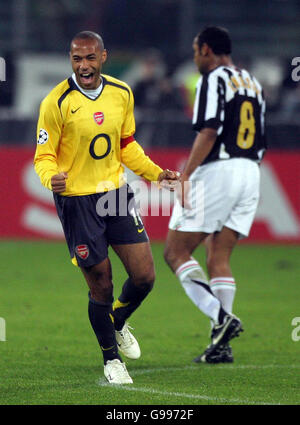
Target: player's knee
<point>145,280</point>
<point>101,288</point>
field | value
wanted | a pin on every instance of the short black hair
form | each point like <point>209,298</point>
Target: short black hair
<point>217,38</point>
<point>89,35</point>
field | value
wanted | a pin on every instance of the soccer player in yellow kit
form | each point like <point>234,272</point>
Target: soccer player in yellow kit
<point>85,133</point>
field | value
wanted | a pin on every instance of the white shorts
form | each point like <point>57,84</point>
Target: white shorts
<point>222,193</point>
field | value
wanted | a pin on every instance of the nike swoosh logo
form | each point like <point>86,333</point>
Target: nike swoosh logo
<point>75,110</point>
<point>141,230</point>
<point>105,349</point>
<point>221,334</point>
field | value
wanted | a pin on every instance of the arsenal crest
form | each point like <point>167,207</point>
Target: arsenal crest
<point>99,117</point>
<point>82,251</point>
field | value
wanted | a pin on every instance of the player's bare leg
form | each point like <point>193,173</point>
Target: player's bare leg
<point>99,280</point>
<point>178,251</point>
<point>219,247</point>
<point>178,255</point>
<point>138,262</point>
<point>180,246</point>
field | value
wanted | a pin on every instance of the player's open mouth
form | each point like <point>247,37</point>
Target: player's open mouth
<point>87,78</point>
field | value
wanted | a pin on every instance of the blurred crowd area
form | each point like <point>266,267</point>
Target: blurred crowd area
<point>150,47</point>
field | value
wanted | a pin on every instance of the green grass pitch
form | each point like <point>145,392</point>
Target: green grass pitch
<point>51,355</point>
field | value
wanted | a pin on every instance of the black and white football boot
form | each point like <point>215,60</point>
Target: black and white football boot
<point>223,354</point>
<point>219,351</point>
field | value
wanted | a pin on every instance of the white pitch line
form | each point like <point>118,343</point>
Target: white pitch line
<point>228,366</point>
<point>182,395</point>
<point>103,383</point>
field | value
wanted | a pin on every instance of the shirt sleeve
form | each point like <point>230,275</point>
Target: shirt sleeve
<point>49,129</point>
<point>209,103</point>
<point>134,157</point>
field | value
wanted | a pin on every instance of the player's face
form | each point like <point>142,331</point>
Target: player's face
<point>87,59</point>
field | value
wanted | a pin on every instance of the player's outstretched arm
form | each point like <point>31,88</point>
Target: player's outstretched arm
<point>134,157</point>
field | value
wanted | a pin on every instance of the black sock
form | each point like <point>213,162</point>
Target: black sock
<point>129,300</point>
<point>101,318</point>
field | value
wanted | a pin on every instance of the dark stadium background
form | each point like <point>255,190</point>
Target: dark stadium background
<point>149,45</point>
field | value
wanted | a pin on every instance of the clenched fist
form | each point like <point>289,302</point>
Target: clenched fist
<point>58,182</point>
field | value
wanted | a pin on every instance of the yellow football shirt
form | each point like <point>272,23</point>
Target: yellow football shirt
<point>89,138</point>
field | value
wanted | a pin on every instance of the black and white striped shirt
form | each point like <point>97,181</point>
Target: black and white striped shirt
<point>231,101</point>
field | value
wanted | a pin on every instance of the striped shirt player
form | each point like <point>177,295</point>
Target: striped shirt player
<point>219,185</point>
<point>231,101</point>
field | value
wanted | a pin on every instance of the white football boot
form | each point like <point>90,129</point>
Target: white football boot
<point>116,373</point>
<point>127,343</point>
